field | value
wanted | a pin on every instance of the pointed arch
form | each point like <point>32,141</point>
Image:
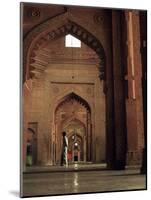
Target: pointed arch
<point>65,93</point>
<point>65,124</point>
<point>78,98</point>
<point>48,31</point>
<point>58,125</point>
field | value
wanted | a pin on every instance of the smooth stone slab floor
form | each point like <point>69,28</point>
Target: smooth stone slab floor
<point>53,183</point>
<point>71,167</point>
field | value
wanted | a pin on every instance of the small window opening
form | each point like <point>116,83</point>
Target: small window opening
<point>71,41</point>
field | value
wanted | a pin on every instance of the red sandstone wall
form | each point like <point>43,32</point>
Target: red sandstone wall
<point>26,103</point>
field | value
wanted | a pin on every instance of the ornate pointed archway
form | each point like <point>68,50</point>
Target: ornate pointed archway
<point>73,115</point>
<point>51,30</point>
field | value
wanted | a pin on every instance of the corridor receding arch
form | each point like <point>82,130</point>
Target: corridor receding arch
<point>76,138</point>
<point>72,111</point>
<point>75,96</point>
<point>74,119</point>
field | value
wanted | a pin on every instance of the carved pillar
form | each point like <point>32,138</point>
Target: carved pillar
<point>119,95</point>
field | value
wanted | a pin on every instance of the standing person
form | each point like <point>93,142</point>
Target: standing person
<point>64,159</point>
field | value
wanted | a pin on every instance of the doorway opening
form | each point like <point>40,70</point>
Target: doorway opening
<point>73,116</point>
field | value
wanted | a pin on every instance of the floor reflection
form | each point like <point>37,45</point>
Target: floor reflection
<point>83,181</point>
<point>76,182</point>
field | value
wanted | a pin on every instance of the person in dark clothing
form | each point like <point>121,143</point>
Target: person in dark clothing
<point>64,156</point>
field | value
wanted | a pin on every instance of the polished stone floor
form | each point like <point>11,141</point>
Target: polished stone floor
<point>51,183</point>
<point>72,167</point>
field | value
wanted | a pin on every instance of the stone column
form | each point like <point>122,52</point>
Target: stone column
<point>119,95</point>
<point>143,44</point>
<point>89,138</point>
<point>134,104</point>
<point>51,145</point>
<point>108,89</point>
<point>84,150</point>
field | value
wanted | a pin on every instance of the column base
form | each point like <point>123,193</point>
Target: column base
<point>144,162</point>
<point>134,158</point>
<point>117,165</point>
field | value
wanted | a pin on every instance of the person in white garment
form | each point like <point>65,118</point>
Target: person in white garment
<point>65,150</point>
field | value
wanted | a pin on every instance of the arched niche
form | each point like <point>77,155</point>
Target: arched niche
<point>31,147</point>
